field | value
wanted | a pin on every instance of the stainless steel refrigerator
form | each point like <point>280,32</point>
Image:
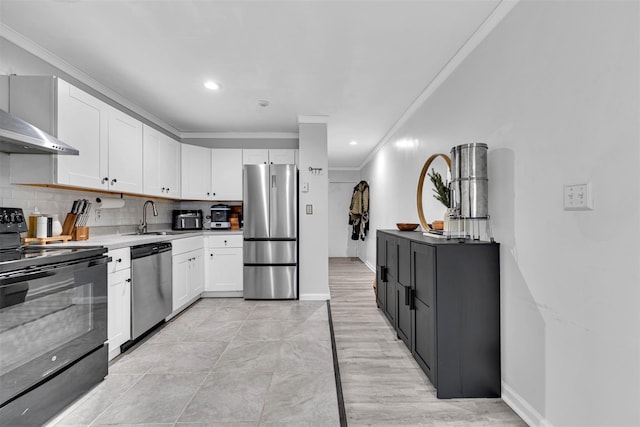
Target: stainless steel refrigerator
<point>270,213</point>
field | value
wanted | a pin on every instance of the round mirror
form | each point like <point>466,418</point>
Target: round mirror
<point>444,171</point>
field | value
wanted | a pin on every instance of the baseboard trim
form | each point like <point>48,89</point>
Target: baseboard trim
<point>222,294</point>
<point>369,266</point>
<point>521,407</point>
<point>315,297</point>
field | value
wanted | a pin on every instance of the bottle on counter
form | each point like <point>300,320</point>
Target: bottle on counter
<point>32,222</point>
<point>41,226</point>
<point>56,226</point>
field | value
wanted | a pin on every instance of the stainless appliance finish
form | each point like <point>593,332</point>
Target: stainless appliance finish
<point>151,286</point>
<point>187,220</point>
<point>19,136</point>
<point>53,324</point>
<point>469,182</point>
<point>220,216</point>
<point>270,232</point>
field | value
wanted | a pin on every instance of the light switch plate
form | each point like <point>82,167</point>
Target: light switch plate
<point>309,209</point>
<point>578,197</point>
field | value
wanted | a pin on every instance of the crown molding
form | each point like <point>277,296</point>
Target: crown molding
<point>239,135</point>
<point>35,49</point>
<point>492,21</point>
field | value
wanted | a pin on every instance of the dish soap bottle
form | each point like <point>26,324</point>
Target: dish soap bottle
<point>32,222</point>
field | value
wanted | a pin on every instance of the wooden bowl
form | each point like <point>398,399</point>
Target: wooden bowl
<point>437,225</point>
<point>405,226</point>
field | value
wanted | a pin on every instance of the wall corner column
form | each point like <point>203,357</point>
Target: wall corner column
<point>313,262</point>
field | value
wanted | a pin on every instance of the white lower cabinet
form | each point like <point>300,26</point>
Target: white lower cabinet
<point>118,300</point>
<point>188,271</point>
<point>224,265</point>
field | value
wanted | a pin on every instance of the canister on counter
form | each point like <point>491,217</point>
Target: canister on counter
<point>41,226</point>
<point>32,222</point>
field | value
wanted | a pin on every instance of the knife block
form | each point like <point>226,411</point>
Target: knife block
<point>69,223</point>
<point>80,233</point>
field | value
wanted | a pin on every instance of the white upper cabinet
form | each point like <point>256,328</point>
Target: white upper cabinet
<point>196,172</point>
<point>282,156</point>
<point>226,174</point>
<point>277,156</point>
<point>125,153</point>
<point>211,174</point>
<point>255,156</point>
<point>109,141</point>
<point>160,164</point>
<point>83,124</point>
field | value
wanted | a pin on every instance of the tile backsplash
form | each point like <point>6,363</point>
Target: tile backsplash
<point>59,201</point>
<point>55,201</point>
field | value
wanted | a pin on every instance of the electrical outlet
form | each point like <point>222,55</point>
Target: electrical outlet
<point>578,197</point>
<point>98,215</point>
<point>309,209</point>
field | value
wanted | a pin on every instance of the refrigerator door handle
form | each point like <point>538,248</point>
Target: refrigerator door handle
<point>273,181</point>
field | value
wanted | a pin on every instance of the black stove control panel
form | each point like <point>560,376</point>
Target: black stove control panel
<point>12,220</point>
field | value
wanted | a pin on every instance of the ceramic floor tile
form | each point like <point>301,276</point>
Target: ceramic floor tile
<point>217,424</point>
<point>262,330</point>
<point>256,356</point>
<point>305,356</point>
<point>99,399</point>
<point>230,396</point>
<point>297,398</point>
<point>156,398</point>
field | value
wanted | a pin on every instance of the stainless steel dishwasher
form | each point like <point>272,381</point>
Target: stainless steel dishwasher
<point>151,286</point>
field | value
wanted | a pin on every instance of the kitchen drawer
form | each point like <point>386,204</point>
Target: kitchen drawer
<point>120,259</point>
<point>180,246</point>
<point>224,241</point>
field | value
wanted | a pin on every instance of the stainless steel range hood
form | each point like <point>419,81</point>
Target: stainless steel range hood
<point>18,136</point>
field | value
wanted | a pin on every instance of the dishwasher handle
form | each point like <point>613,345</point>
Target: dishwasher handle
<point>149,249</point>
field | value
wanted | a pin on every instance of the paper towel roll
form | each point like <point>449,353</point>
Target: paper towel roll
<point>109,203</point>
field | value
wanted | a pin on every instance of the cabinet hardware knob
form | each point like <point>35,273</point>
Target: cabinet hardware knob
<point>225,243</point>
<point>208,194</point>
<point>113,181</point>
<point>119,260</point>
<point>129,280</point>
<point>168,189</point>
<point>211,255</point>
<point>105,179</point>
<point>163,189</point>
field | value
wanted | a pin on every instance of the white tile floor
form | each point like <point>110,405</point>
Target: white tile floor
<point>222,362</point>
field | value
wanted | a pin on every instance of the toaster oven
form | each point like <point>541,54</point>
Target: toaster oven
<point>187,220</point>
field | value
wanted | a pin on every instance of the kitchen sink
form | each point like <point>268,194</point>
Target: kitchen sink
<point>156,233</point>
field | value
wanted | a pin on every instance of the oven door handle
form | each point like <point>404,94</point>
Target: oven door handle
<point>10,281</point>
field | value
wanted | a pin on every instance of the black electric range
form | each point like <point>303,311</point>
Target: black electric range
<point>53,324</point>
<point>14,256</point>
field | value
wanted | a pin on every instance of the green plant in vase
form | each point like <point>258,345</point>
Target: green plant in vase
<point>440,188</point>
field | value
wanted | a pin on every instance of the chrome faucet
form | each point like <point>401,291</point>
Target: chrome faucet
<point>142,227</point>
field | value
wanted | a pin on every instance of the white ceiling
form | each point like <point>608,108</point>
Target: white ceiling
<point>361,63</point>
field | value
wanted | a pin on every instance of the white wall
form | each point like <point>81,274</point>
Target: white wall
<point>341,183</point>
<point>554,91</point>
<point>313,264</point>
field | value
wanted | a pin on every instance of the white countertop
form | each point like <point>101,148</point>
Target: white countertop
<point>116,241</point>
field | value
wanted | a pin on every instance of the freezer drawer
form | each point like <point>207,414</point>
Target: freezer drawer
<point>270,252</point>
<point>270,282</point>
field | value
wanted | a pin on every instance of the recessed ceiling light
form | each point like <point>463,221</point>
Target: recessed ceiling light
<point>353,143</point>
<point>212,85</point>
<point>263,103</point>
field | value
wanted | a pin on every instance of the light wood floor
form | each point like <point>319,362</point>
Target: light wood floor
<point>381,382</point>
